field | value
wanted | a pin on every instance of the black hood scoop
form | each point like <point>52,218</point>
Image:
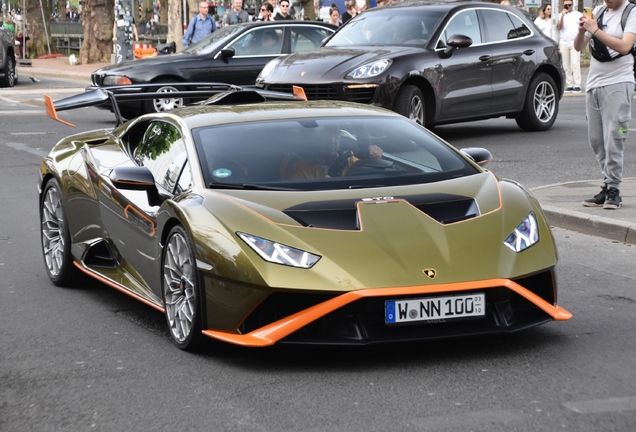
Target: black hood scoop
<point>343,215</point>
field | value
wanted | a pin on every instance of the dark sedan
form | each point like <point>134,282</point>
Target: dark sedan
<point>234,55</point>
<point>434,63</point>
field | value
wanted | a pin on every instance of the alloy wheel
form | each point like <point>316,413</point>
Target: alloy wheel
<point>544,102</point>
<point>166,104</point>
<point>416,110</point>
<point>179,287</point>
<point>53,244</point>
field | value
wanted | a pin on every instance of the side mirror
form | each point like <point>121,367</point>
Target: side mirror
<point>228,52</point>
<point>137,178</point>
<point>454,42</point>
<point>479,155</point>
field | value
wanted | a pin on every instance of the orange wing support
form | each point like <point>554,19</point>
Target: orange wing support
<point>50,111</point>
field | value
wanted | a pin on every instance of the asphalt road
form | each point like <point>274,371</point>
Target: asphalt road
<point>91,358</point>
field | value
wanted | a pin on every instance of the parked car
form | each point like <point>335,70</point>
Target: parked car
<point>234,54</point>
<point>258,222</point>
<point>434,63</point>
<point>8,70</point>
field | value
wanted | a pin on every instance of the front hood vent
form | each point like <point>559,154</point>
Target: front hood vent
<point>343,214</point>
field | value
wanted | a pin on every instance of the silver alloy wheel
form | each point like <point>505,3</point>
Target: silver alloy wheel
<point>544,102</point>
<point>10,72</point>
<point>416,110</point>
<point>52,231</point>
<point>179,275</point>
<point>162,105</point>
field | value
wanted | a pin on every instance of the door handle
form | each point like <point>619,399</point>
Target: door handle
<point>528,52</point>
<point>484,58</point>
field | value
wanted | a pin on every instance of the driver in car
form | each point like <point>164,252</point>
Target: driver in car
<point>325,153</point>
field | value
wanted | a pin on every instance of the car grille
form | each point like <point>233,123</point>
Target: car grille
<point>96,80</point>
<point>329,92</point>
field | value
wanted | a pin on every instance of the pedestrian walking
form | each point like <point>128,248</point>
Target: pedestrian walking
<point>568,24</point>
<point>200,26</point>
<point>608,91</point>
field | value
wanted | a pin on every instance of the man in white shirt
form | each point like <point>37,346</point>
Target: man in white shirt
<point>608,92</point>
<point>568,24</point>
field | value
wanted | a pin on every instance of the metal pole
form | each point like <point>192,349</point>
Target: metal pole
<point>46,31</point>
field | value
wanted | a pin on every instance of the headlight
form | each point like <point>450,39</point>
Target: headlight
<point>525,235</point>
<point>112,80</point>
<point>269,67</point>
<point>370,69</point>
<point>278,253</point>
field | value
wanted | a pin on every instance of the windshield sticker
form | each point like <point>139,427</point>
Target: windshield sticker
<point>222,173</point>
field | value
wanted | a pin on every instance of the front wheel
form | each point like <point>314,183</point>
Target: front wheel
<point>9,78</point>
<point>56,239</point>
<point>180,290</point>
<point>164,104</point>
<point>410,103</point>
<point>541,105</point>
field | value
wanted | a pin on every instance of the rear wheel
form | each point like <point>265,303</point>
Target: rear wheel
<point>56,239</point>
<point>410,103</point>
<point>9,78</point>
<point>541,105</point>
<point>164,104</point>
<point>180,289</point>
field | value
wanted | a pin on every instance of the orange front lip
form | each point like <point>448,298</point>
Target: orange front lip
<point>272,333</point>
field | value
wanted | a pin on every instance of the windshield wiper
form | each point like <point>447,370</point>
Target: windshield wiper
<point>246,186</point>
<point>366,186</point>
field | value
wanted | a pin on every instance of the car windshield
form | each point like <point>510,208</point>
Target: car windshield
<point>325,153</point>
<point>388,27</point>
<point>213,41</point>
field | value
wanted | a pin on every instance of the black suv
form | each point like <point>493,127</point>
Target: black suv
<point>8,71</point>
<point>434,63</point>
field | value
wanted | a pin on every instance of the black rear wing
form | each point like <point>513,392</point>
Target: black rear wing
<point>216,94</point>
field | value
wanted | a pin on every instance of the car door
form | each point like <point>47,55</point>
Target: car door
<point>465,81</point>
<point>513,58</point>
<point>252,50</point>
<point>128,217</point>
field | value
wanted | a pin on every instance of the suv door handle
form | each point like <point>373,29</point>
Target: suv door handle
<point>484,58</point>
<point>528,52</point>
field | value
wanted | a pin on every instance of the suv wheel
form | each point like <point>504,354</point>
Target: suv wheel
<point>410,103</point>
<point>9,78</point>
<point>165,104</point>
<point>541,106</point>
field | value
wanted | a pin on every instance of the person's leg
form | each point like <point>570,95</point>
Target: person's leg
<point>615,113</point>
<point>575,66</point>
<point>565,56</point>
<point>595,127</point>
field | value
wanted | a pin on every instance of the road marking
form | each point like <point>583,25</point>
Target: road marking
<point>22,112</point>
<point>603,405</point>
<point>42,91</point>
<point>26,148</point>
<point>29,133</point>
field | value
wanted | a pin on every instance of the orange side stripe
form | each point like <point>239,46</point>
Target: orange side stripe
<point>117,286</point>
<point>272,333</point>
<point>50,111</point>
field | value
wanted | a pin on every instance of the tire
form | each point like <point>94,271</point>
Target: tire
<point>541,106</point>
<point>410,103</point>
<point>55,236</point>
<point>180,289</point>
<point>162,105</point>
<point>9,78</point>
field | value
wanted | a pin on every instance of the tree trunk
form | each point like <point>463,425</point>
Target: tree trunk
<point>175,24</point>
<point>37,45</point>
<point>308,5</point>
<point>193,9</point>
<point>163,12</point>
<point>61,10</point>
<point>97,17</point>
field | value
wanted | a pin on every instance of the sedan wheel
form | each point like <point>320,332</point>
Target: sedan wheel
<point>165,104</point>
<point>9,79</point>
<point>181,291</point>
<point>541,106</point>
<point>410,103</point>
<point>56,240</point>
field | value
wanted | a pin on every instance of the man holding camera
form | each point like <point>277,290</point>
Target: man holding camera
<point>608,91</point>
<point>568,24</point>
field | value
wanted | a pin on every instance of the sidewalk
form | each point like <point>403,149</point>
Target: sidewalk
<point>561,202</point>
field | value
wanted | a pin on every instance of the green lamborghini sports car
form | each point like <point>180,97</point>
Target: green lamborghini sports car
<point>256,221</point>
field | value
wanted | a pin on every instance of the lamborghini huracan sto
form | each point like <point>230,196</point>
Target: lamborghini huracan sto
<point>260,221</point>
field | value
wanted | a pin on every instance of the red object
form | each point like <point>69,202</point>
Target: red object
<point>47,56</point>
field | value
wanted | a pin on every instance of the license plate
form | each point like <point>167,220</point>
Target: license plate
<point>435,308</point>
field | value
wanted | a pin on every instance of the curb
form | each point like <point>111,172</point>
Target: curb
<point>593,225</point>
<point>27,70</point>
